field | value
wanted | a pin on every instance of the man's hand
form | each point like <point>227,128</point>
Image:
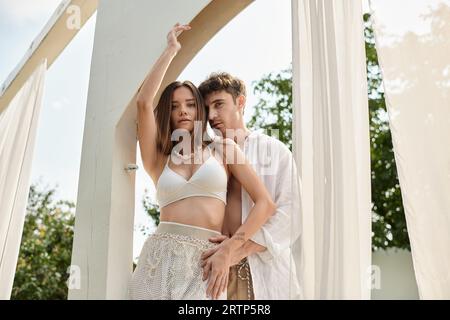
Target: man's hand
<point>248,248</point>
<point>214,255</point>
<point>236,255</point>
<point>216,266</point>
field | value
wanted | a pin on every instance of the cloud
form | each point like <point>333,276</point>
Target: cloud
<point>23,11</point>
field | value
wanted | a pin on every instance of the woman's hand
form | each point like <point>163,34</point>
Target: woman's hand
<point>216,264</point>
<point>172,36</point>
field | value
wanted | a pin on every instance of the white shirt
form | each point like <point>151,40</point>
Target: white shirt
<point>273,271</point>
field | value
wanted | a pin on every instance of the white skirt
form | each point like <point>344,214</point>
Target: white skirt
<point>169,264</point>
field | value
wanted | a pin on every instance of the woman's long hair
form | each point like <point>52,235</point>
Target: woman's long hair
<point>163,112</point>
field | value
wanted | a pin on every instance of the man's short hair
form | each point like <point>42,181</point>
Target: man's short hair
<point>219,81</point>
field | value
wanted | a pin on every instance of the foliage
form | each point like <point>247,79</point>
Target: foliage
<point>46,246</point>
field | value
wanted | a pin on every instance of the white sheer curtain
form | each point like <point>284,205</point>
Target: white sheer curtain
<point>331,146</point>
<point>18,124</point>
<point>414,56</point>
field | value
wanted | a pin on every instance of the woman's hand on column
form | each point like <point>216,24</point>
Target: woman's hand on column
<point>172,36</point>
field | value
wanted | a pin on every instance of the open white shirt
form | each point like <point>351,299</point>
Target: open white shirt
<point>273,271</point>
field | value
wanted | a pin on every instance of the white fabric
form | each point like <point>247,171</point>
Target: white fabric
<point>18,124</point>
<point>273,271</point>
<point>414,56</point>
<point>331,146</point>
<point>169,266</point>
<point>172,186</point>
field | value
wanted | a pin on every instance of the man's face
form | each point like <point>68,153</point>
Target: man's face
<point>223,112</point>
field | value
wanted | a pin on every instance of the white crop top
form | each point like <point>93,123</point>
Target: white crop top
<point>209,180</point>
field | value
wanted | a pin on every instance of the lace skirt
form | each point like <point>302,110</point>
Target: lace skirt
<point>169,264</point>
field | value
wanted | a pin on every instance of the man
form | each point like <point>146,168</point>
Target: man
<point>264,267</point>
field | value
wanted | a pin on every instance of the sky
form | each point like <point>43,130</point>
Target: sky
<point>250,46</point>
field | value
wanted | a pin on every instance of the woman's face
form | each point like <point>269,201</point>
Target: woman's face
<point>184,109</point>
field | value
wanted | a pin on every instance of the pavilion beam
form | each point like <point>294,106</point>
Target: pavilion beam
<point>49,44</point>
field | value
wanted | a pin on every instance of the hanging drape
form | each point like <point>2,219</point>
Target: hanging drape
<point>18,124</point>
<point>331,146</point>
<point>414,57</point>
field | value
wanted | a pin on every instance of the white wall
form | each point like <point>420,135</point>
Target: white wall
<point>396,275</point>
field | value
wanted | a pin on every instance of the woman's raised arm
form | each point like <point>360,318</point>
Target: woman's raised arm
<point>145,99</point>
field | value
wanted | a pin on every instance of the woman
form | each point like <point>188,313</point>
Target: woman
<point>191,194</point>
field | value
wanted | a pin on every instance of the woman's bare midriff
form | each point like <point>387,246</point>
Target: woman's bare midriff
<point>205,212</point>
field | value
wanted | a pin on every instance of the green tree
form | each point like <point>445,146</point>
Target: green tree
<point>274,108</point>
<point>151,209</point>
<point>45,250</point>
<point>274,111</point>
<point>388,216</point>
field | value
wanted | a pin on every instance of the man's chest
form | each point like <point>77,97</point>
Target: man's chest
<point>233,210</point>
